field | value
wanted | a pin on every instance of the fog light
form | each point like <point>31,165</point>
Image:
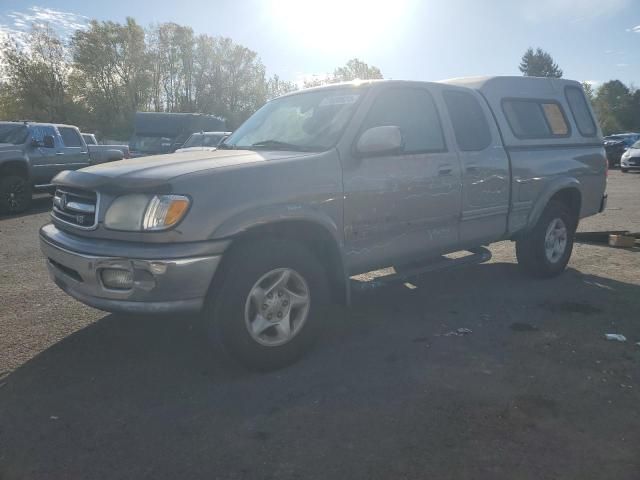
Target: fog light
<point>117,278</point>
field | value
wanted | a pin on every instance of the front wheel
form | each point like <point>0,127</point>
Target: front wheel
<point>545,251</point>
<point>267,308</point>
<point>624,170</point>
<point>15,194</point>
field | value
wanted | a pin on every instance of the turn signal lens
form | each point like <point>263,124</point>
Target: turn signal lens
<point>164,211</point>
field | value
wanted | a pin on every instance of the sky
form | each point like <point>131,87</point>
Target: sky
<point>591,40</point>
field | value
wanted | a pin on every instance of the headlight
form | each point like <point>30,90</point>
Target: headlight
<point>140,212</point>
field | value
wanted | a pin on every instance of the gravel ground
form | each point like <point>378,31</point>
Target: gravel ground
<point>534,392</point>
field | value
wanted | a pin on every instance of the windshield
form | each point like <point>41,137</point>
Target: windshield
<point>636,145</point>
<point>12,133</point>
<point>150,144</point>
<point>310,121</point>
<point>203,140</point>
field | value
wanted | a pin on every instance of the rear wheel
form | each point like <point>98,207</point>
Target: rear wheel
<point>267,308</point>
<point>545,251</point>
<point>15,194</point>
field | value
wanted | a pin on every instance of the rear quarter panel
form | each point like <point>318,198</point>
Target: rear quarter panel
<point>539,173</point>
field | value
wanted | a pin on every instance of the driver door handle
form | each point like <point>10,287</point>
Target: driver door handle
<point>59,153</point>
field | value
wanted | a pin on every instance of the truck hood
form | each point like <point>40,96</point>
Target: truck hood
<point>156,172</point>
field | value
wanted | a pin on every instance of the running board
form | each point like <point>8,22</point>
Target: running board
<point>402,274</point>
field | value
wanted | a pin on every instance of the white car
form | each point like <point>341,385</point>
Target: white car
<point>203,141</point>
<point>631,158</point>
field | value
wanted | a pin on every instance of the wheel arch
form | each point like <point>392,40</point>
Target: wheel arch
<point>316,231</point>
<point>566,191</point>
<point>15,166</point>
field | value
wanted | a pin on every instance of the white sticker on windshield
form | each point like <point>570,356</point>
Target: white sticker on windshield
<point>339,100</point>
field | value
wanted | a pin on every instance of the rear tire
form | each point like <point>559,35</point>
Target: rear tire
<point>15,194</point>
<point>267,279</point>
<point>545,251</point>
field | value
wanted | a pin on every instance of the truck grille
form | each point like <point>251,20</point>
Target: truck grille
<point>75,207</point>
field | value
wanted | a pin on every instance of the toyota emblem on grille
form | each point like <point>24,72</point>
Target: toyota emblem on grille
<point>63,201</point>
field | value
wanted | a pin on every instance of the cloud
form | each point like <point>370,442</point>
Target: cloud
<point>635,29</point>
<point>575,11</point>
<point>15,25</point>
<point>622,65</point>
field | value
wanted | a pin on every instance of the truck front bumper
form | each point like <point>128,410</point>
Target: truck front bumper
<point>158,285</point>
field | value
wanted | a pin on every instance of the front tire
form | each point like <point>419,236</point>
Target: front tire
<point>266,309</point>
<point>15,194</point>
<point>545,251</point>
<point>624,170</point>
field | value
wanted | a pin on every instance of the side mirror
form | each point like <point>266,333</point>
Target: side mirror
<point>380,141</point>
<point>48,141</point>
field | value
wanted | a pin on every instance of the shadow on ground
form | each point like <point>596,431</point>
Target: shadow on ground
<point>384,395</point>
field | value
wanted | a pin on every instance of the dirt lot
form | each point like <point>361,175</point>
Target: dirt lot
<point>534,392</point>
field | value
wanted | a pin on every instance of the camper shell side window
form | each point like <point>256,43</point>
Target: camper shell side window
<point>532,118</point>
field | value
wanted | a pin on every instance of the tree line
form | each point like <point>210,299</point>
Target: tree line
<point>105,73</point>
<point>616,105</point>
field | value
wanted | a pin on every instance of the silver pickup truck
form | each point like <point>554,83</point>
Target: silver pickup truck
<point>323,184</point>
<point>104,153</point>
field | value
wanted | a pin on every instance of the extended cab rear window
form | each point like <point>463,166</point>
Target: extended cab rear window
<point>580,111</point>
<point>468,120</point>
<point>530,118</point>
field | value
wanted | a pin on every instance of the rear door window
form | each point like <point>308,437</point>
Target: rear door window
<point>70,137</point>
<point>535,118</point>
<point>468,120</point>
<point>580,111</point>
<point>414,112</point>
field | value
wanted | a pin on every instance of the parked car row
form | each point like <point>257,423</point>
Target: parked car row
<point>32,153</point>
<point>616,145</point>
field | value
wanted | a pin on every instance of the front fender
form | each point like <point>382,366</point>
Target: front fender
<point>262,216</point>
<point>551,189</point>
<point>16,157</point>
